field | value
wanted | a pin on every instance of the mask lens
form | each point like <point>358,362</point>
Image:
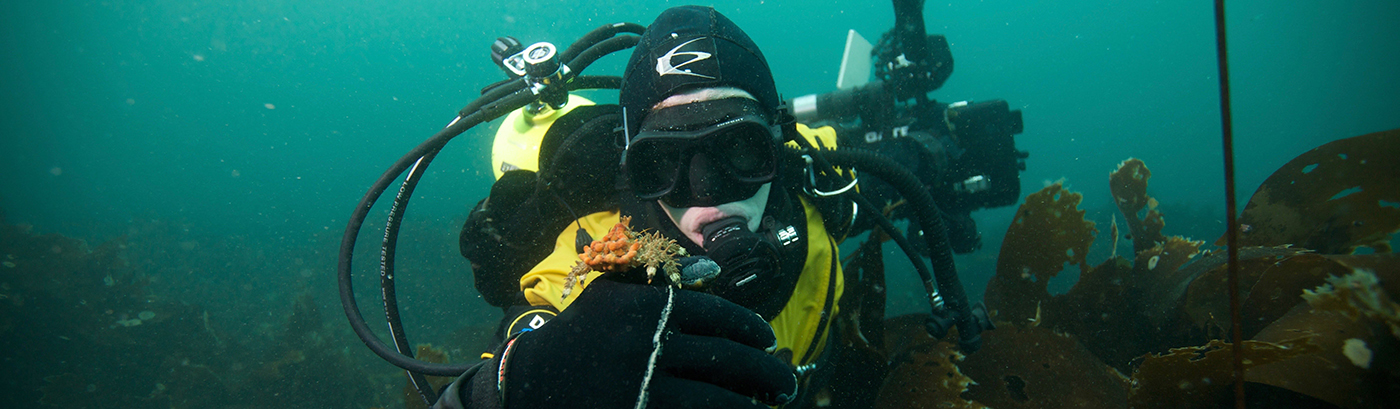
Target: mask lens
<point>731,133</point>
<point>748,150</point>
<point>652,166</point>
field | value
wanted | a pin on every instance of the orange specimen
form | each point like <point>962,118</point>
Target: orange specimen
<point>616,251</point>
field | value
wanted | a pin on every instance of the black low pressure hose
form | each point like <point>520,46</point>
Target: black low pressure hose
<point>935,232</point>
<point>391,231</point>
<point>595,82</point>
<point>387,254</point>
<point>903,242</point>
<point>885,224</point>
<point>497,100</point>
<point>598,35</point>
<point>605,47</point>
<point>485,111</point>
<point>491,95</point>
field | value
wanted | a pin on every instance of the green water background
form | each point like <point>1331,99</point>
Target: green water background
<point>245,131</point>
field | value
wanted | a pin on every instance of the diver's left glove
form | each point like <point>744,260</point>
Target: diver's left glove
<point>623,345</point>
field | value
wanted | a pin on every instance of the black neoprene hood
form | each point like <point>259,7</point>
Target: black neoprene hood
<point>691,47</point>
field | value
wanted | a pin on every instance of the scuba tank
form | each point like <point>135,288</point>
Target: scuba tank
<point>517,143</point>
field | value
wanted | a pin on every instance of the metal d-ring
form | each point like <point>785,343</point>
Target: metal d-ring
<point>812,181</point>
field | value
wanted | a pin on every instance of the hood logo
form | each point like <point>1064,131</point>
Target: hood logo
<point>666,64</point>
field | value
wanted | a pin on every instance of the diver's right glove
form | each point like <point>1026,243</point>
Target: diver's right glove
<point>622,345</point>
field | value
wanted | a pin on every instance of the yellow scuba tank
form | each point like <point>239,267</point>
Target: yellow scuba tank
<point>517,144</point>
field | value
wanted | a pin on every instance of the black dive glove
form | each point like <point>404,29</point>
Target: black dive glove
<point>620,344</point>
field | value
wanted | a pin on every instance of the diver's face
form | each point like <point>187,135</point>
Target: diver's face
<point>692,220</point>
<point>705,156</point>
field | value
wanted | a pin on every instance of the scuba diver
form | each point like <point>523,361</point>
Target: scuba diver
<point>701,150</point>
<point>701,131</point>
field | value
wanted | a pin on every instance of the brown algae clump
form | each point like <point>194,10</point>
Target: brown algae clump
<point>1356,295</point>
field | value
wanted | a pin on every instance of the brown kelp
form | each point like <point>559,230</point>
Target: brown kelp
<point>1332,199</point>
<point>1322,326</point>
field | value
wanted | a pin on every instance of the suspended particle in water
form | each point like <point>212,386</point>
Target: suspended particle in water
<point>56,171</point>
<point>235,173</point>
<point>269,106</point>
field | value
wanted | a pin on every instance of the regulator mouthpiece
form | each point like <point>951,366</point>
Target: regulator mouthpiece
<point>719,229</point>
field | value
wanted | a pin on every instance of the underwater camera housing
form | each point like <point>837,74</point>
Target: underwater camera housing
<point>963,152</point>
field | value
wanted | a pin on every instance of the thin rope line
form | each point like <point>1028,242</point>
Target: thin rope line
<point>655,347</point>
<point>1233,233</point>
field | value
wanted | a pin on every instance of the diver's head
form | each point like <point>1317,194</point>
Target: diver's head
<point>687,48</point>
<point>700,108</point>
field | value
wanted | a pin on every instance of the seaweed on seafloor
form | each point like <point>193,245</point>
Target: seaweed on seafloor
<point>307,367</point>
<point>1112,308</point>
<point>1128,185</point>
<point>1203,300</point>
<point>1011,375</point>
<point>1160,312</point>
<point>92,326</point>
<point>1048,232</point>
<point>1172,295</point>
<point>925,373</point>
<point>1333,199</point>
<point>1201,376</point>
<point>1004,373</point>
<point>1357,295</point>
<point>81,327</point>
<point>1351,321</point>
<point>1272,280</point>
<point>425,353</point>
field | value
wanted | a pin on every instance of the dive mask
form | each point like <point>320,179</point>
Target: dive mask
<point>702,153</point>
